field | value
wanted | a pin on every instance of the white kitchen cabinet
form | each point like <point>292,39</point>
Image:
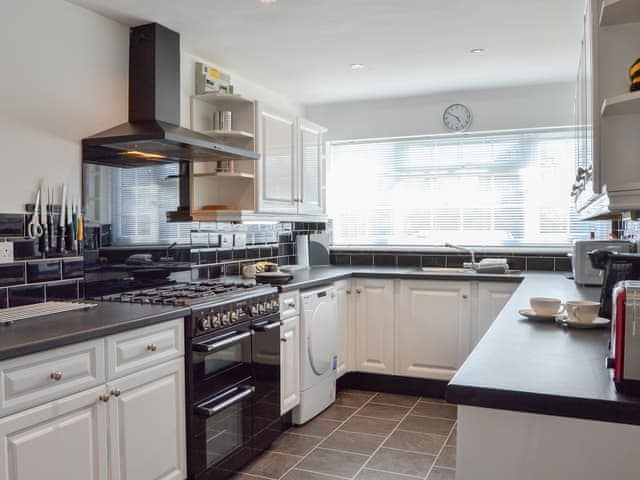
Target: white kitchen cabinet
<point>311,175</point>
<point>64,439</point>
<point>491,299</point>
<point>146,418</point>
<point>346,327</point>
<point>432,328</point>
<point>374,325</point>
<point>289,364</point>
<point>277,166</point>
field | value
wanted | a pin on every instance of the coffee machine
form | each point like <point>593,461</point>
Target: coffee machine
<point>617,267</point>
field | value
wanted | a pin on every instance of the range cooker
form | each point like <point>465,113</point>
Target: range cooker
<point>232,371</point>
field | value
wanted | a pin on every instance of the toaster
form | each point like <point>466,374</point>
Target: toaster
<point>583,271</point>
<point>624,355</point>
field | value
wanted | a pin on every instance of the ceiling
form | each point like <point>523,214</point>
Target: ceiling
<point>305,48</point>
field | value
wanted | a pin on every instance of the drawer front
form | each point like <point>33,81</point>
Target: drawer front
<point>39,378</point>
<point>289,304</point>
<point>132,351</point>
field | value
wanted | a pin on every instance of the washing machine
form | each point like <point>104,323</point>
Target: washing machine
<point>318,352</point>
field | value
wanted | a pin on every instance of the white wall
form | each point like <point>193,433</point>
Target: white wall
<point>499,109</point>
<point>63,76</point>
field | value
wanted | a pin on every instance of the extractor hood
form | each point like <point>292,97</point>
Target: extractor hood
<point>153,135</point>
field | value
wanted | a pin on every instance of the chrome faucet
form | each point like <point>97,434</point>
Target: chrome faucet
<point>463,249</point>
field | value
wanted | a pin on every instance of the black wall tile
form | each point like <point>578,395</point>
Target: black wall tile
<point>342,260</point>
<point>232,269</point>
<point>457,261</point>
<point>24,249</point>
<point>224,255</point>
<point>208,256</point>
<point>360,259</point>
<point>563,264</point>
<point>408,260</point>
<point>384,260</point>
<point>12,225</point>
<point>239,253</point>
<point>434,261</point>
<point>43,271</point>
<point>517,263</point>
<point>199,274</point>
<point>253,253</point>
<point>4,297</point>
<point>12,274</point>
<point>546,264</point>
<point>26,295</point>
<point>62,291</point>
<point>72,268</point>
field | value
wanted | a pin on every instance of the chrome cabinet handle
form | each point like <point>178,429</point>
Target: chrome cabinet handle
<point>57,376</point>
<point>104,397</point>
<point>116,392</point>
<point>465,296</point>
<point>284,340</point>
<point>152,347</point>
<point>216,345</point>
<point>348,292</point>
<point>210,408</point>
<point>358,291</point>
<point>291,305</point>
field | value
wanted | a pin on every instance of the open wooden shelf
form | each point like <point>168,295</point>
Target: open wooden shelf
<point>625,104</point>
<point>225,175</point>
<point>618,12</point>
<point>231,134</point>
<point>216,97</point>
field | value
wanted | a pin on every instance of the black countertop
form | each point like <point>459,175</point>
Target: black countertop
<point>542,368</point>
<point>56,330</point>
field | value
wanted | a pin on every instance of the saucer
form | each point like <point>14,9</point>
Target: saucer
<point>531,315</point>
<point>599,322</point>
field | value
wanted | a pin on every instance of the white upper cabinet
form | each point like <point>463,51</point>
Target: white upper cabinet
<point>311,168</point>
<point>492,297</point>
<point>291,168</point>
<point>374,319</point>
<point>433,324</point>
<point>277,170</point>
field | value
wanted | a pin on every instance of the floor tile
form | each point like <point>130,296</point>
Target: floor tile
<point>296,474</point>
<point>433,400</point>
<point>333,463</point>
<point>294,444</point>
<point>346,399</point>
<point>317,427</point>
<point>387,412</point>
<point>271,465</point>
<point>453,438</point>
<point>440,410</point>
<point>393,399</point>
<point>447,458</point>
<point>406,463</point>
<point>416,442</point>
<point>353,391</point>
<point>368,474</point>
<point>353,442</point>
<point>337,412</point>
<point>442,474</point>
<point>372,426</point>
<point>244,476</point>
<point>439,426</point>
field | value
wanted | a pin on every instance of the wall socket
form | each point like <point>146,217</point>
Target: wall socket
<point>6,252</point>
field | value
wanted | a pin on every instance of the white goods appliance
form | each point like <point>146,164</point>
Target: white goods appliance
<point>318,352</point>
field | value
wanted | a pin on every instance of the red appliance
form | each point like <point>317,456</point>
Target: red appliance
<point>625,337</point>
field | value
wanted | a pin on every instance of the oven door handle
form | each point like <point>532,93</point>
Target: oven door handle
<point>206,411</point>
<point>265,327</point>
<point>212,347</point>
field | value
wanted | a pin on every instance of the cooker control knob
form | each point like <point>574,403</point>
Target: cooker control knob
<point>234,316</point>
<point>225,318</point>
<point>205,323</point>
<point>261,308</point>
<point>215,320</point>
<point>275,304</point>
<point>253,310</point>
<point>267,306</point>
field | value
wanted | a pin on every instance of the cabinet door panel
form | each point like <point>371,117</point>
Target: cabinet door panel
<point>492,297</point>
<point>65,439</point>
<point>346,327</point>
<point>278,170</point>
<point>374,314</point>
<point>432,328</point>
<point>311,165</point>
<point>147,427</point>
<point>290,364</point>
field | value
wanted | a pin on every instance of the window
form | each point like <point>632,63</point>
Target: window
<point>494,189</point>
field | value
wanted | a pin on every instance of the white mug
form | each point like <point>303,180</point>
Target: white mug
<point>546,307</point>
<point>249,271</point>
<point>582,311</point>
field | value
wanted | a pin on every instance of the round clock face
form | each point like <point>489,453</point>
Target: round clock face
<point>457,118</point>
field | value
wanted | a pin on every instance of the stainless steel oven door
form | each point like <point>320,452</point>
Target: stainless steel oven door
<point>223,432</point>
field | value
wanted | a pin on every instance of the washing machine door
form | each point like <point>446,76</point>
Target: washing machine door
<point>322,344</point>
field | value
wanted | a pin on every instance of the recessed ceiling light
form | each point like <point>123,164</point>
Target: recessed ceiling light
<point>357,66</point>
<point>478,51</point>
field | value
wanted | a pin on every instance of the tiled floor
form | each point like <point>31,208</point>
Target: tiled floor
<point>366,436</point>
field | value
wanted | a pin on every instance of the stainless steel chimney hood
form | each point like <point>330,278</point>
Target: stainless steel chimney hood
<point>153,135</point>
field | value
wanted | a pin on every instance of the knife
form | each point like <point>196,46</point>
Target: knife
<point>44,214</point>
<point>61,226</point>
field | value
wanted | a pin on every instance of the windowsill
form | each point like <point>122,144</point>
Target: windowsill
<point>435,249</point>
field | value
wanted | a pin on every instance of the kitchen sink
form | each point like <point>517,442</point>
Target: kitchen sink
<point>446,270</point>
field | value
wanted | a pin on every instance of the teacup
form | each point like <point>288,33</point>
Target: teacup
<point>546,307</point>
<point>582,311</point>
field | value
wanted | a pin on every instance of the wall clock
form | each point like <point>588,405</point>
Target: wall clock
<point>457,118</point>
